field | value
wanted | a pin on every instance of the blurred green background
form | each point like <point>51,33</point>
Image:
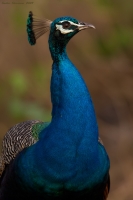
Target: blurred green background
<point>103,56</point>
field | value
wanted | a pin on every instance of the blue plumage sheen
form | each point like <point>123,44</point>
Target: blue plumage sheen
<point>31,37</point>
<point>68,160</point>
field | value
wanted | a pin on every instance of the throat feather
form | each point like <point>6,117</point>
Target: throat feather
<point>70,97</point>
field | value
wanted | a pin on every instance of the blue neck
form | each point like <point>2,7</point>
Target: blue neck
<point>68,151</point>
<point>72,105</point>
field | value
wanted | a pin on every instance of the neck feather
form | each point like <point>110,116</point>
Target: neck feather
<point>72,105</point>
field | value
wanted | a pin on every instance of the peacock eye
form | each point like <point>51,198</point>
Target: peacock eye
<point>66,25</point>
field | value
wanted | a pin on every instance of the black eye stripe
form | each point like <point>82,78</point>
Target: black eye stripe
<point>73,27</point>
<point>67,25</point>
<point>82,23</point>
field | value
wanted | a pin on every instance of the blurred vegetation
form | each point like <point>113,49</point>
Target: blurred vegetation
<point>103,56</point>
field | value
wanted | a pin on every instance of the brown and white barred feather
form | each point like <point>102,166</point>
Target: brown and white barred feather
<point>16,139</point>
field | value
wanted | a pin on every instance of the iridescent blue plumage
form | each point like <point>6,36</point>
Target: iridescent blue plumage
<point>31,36</point>
<point>68,160</point>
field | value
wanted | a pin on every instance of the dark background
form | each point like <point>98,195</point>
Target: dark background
<point>103,56</point>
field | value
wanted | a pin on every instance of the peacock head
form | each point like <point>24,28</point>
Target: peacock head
<point>62,29</point>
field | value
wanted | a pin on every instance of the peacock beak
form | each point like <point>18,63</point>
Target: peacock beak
<point>83,25</point>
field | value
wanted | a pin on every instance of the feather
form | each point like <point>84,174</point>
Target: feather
<point>17,138</point>
<point>36,27</point>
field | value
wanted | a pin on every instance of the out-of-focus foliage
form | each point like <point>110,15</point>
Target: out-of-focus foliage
<point>103,56</point>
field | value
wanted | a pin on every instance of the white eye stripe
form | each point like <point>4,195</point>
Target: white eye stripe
<point>65,31</point>
<point>62,30</point>
<point>72,23</point>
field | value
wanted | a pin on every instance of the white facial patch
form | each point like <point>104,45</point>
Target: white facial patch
<point>65,31</point>
<point>62,30</point>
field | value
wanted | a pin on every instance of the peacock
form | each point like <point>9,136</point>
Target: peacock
<point>64,158</point>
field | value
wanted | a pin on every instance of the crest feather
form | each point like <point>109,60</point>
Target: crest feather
<point>36,27</point>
